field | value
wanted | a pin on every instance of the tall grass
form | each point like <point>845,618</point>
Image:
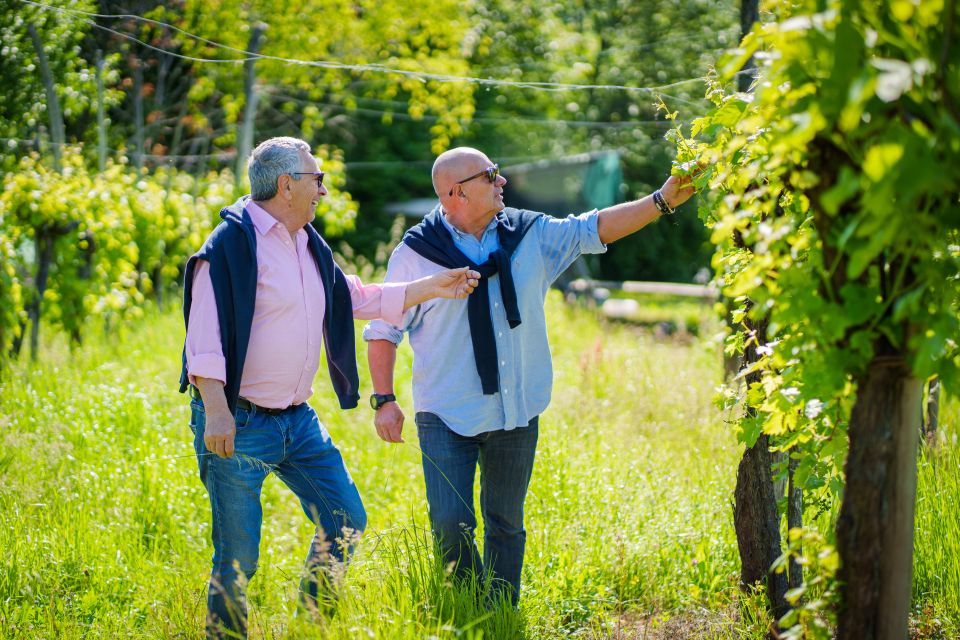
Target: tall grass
<point>936,567</point>
<point>105,524</point>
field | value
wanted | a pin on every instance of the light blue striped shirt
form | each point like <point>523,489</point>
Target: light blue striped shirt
<point>445,379</point>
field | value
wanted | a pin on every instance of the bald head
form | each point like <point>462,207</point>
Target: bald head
<point>456,164</point>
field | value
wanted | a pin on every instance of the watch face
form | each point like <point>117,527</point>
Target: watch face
<point>378,400</point>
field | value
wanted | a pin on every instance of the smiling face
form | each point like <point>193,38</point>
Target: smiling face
<point>304,193</point>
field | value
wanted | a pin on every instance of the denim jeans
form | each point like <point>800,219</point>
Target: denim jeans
<point>449,467</point>
<point>297,448</point>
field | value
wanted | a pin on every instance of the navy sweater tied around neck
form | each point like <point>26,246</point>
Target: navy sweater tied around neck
<point>432,240</point>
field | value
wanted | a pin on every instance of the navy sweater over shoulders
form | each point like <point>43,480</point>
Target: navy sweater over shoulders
<point>231,250</point>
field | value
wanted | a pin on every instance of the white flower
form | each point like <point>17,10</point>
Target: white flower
<point>813,409</point>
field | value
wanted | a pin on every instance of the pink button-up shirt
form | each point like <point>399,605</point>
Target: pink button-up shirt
<point>283,354</point>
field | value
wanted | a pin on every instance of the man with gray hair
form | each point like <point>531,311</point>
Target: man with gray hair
<point>260,297</point>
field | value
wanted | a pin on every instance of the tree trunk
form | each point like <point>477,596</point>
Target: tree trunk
<point>757,523</point>
<point>755,515</point>
<point>875,528</point>
<point>44,250</point>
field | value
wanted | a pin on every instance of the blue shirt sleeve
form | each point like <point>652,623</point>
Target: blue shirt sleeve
<point>400,268</point>
<point>563,240</point>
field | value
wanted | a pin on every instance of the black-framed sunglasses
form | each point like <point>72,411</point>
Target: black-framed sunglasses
<point>316,174</point>
<point>490,172</point>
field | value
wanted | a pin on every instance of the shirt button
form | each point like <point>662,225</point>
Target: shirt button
<point>506,391</point>
<point>496,305</point>
<point>500,333</point>
<point>503,363</point>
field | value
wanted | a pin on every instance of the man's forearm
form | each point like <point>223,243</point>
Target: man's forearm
<point>419,291</point>
<point>623,219</point>
<point>214,398</point>
<point>381,356</point>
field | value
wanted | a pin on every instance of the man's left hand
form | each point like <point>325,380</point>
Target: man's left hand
<point>455,283</point>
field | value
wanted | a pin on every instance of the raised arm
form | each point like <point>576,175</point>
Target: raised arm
<point>623,219</point>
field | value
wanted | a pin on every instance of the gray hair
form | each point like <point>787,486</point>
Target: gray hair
<point>271,159</point>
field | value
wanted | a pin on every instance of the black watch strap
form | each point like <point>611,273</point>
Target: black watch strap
<point>377,400</point>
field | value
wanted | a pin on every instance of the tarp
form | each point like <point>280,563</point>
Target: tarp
<point>571,184</point>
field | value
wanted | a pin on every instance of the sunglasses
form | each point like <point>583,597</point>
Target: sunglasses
<point>491,174</point>
<point>316,174</point>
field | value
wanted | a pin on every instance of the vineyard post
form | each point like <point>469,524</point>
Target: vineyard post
<point>875,527</point>
<point>245,142</point>
<point>138,114</point>
<point>931,417</point>
<point>101,117</point>
<point>53,103</point>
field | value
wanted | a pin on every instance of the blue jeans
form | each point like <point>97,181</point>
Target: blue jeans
<point>449,467</point>
<point>298,449</point>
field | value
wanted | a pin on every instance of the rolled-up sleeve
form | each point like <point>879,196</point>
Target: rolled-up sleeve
<point>372,301</point>
<point>563,240</point>
<point>400,269</point>
<point>204,351</point>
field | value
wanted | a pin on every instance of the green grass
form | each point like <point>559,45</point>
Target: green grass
<point>105,524</point>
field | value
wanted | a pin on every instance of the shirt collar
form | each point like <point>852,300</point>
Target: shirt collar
<point>262,220</point>
<point>457,233</point>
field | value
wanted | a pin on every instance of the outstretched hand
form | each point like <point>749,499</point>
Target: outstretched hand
<point>677,190</point>
<point>455,283</point>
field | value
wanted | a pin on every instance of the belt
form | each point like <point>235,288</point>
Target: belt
<point>246,405</point>
<point>243,403</point>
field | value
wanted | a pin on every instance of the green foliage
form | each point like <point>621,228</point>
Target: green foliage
<point>832,199</point>
<point>113,236</point>
<point>23,108</point>
<point>117,237</point>
<point>814,603</point>
<point>648,43</point>
<point>388,125</point>
<point>422,38</point>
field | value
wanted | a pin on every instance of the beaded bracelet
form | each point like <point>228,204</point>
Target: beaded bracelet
<point>661,203</point>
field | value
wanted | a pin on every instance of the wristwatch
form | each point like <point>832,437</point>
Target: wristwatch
<point>377,400</point>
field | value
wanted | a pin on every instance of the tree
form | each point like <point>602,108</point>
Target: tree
<point>850,142</point>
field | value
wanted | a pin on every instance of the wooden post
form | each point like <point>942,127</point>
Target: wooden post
<point>749,15</point>
<point>875,527</point>
<point>932,417</point>
<point>101,117</point>
<point>245,137</point>
<point>57,135</point>
<point>138,114</point>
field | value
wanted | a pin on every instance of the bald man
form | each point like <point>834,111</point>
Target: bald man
<point>478,402</point>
